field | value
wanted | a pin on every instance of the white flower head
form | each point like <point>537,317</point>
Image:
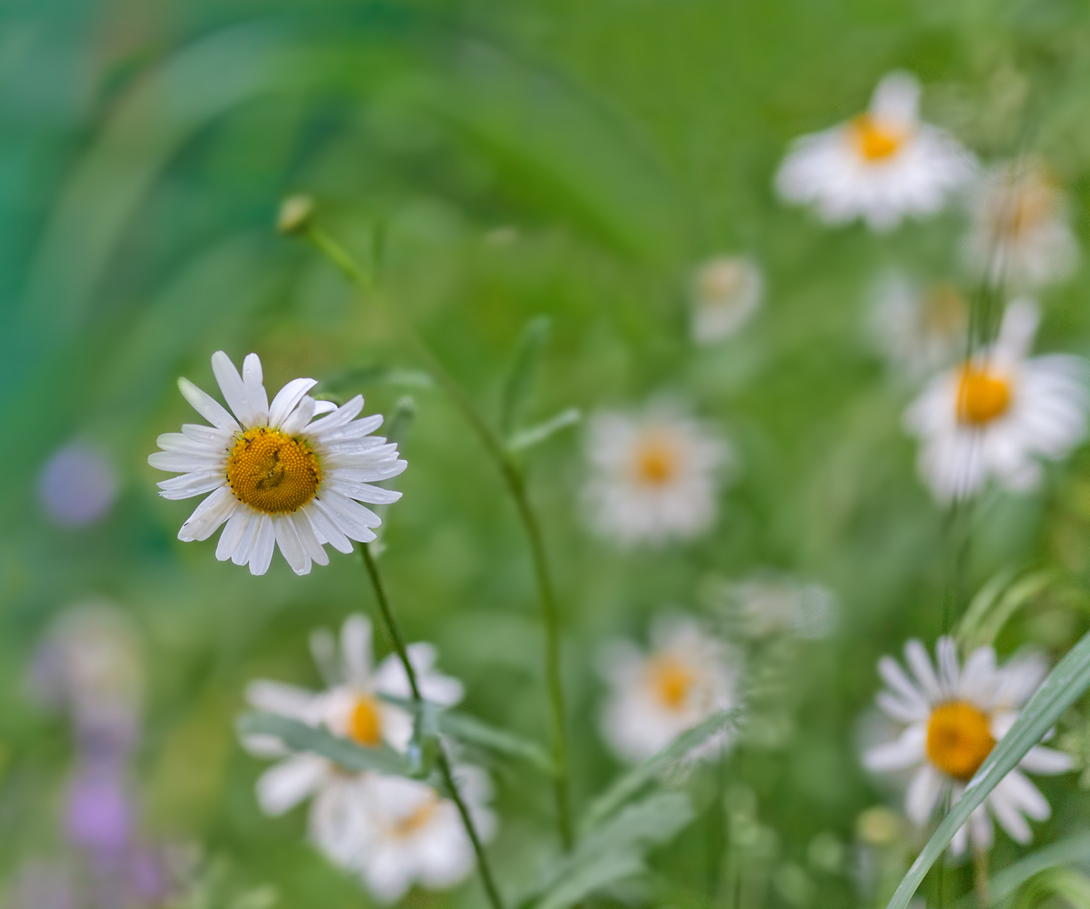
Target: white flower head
<point>770,605</point>
<point>918,328</point>
<point>352,707</point>
<point>410,835</point>
<point>1020,236</point>
<point>725,294</point>
<point>688,675</point>
<point>881,166</point>
<point>953,716</point>
<point>276,476</point>
<point>996,415</point>
<point>654,476</point>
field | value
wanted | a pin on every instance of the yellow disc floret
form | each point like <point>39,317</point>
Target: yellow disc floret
<point>876,141</point>
<point>656,460</point>
<point>958,739</point>
<point>671,681</point>
<point>365,722</point>
<point>983,396</point>
<point>272,472</point>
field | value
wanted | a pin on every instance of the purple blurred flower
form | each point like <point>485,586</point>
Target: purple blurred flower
<point>99,813</point>
<point>77,486</point>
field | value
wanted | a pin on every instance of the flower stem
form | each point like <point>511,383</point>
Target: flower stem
<point>515,481</point>
<point>442,760</point>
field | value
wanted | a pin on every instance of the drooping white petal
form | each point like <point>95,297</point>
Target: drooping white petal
<point>233,533</point>
<point>288,541</point>
<point>308,538</point>
<point>264,544</point>
<point>209,515</point>
<point>905,752</point>
<point>325,529</point>
<point>923,794</point>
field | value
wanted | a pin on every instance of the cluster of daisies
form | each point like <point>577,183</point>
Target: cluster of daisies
<point>299,473</point>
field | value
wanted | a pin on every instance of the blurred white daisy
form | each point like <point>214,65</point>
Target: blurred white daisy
<point>997,414</point>
<point>918,328</point>
<point>881,166</point>
<point>275,477</point>
<point>1020,236</point>
<point>953,718</point>
<point>772,605</point>
<point>725,294</point>
<point>410,835</point>
<point>687,676</point>
<point>351,707</point>
<point>654,475</point>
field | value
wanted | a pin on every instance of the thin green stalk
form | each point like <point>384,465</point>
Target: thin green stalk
<point>516,485</point>
<point>442,760</point>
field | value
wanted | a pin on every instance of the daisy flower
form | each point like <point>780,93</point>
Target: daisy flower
<point>411,835</point>
<point>351,707</point>
<point>771,605</point>
<point>953,717</point>
<point>687,676</point>
<point>880,166</point>
<point>726,292</point>
<point>277,477</point>
<point>1020,235</point>
<point>995,415</point>
<point>654,475</point>
<point>918,328</point>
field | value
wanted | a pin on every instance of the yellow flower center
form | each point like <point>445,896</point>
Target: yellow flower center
<point>272,472</point>
<point>982,396</point>
<point>417,819</point>
<point>657,461</point>
<point>365,722</point>
<point>671,681</point>
<point>876,141</point>
<point>958,739</point>
<point>943,312</point>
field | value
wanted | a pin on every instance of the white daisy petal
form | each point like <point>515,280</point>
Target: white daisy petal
<point>230,383</point>
<point>923,794</point>
<point>1048,761</point>
<point>256,396</point>
<point>905,752</point>
<point>357,650</point>
<point>233,533</point>
<point>209,515</point>
<point>287,399</point>
<point>277,697</point>
<point>290,547</point>
<point>207,406</point>
<point>264,544</point>
<point>285,785</point>
<point>326,530</point>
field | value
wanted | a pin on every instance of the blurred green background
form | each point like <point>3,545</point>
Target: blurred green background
<point>552,157</point>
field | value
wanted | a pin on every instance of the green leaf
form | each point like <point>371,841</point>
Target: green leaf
<point>535,435</point>
<point>996,602</point>
<point>299,736</point>
<point>520,381</point>
<point>1072,886</point>
<point>613,852</point>
<point>1007,881</point>
<point>1064,685</point>
<point>471,731</point>
<point>401,421</point>
<point>656,766</point>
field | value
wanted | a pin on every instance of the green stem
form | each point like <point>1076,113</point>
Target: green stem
<point>516,485</point>
<point>442,760</point>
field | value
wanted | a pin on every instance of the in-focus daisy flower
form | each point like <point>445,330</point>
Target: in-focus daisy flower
<point>953,717</point>
<point>654,475</point>
<point>411,835</point>
<point>881,166</point>
<point>77,485</point>
<point>726,292</point>
<point>1020,236</point>
<point>277,477</point>
<point>688,675</point>
<point>351,707</point>
<point>997,414</point>
<point>918,328</point>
